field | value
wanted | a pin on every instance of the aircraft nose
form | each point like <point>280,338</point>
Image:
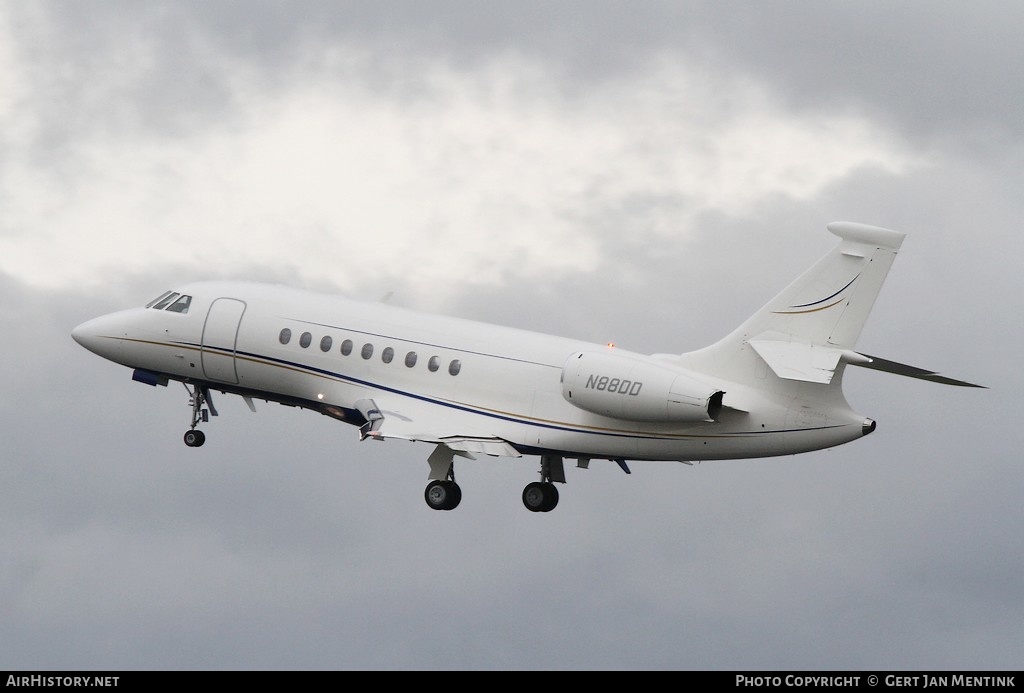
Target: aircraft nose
<point>87,335</point>
<point>99,335</point>
<point>80,334</point>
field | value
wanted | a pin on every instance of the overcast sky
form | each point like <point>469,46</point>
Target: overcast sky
<point>645,173</point>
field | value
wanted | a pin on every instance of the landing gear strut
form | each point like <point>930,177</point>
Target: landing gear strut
<point>198,396</point>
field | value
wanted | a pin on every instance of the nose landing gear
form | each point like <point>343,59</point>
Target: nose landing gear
<point>198,396</point>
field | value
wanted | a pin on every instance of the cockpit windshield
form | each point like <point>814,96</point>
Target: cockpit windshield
<point>158,299</point>
<point>181,304</point>
<point>172,301</point>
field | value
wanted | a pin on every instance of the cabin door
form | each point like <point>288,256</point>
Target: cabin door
<point>220,339</point>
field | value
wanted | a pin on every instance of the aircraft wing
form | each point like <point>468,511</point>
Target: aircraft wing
<point>409,419</point>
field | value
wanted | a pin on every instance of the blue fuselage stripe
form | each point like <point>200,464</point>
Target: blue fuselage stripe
<point>481,412</point>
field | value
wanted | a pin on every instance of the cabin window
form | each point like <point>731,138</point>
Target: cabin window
<point>367,351</point>
<point>387,355</point>
<point>305,340</point>
<point>346,347</point>
<point>410,359</point>
<point>181,305</point>
<point>326,343</point>
<point>434,363</point>
<point>285,336</point>
<point>454,367</point>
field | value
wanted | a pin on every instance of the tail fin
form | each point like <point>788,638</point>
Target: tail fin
<point>806,330</point>
<point>829,303</point>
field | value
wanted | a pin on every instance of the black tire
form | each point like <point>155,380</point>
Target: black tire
<point>551,498</point>
<point>194,439</point>
<point>442,495</point>
<point>534,497</point>
<point>456,495</point>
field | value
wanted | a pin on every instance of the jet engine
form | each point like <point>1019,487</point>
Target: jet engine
<point>637,389</point>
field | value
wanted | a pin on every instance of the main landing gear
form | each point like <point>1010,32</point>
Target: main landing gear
<point>198,396</point>
<point>542,496</point>
<point>445,494</point>
<point>442,493</point>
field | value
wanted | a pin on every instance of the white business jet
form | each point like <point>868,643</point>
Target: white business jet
<point>772,387</point>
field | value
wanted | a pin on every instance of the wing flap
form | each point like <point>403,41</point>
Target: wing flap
<point>422,422</point>
<point>495,447</point>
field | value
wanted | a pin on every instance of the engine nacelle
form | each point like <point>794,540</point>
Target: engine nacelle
<point>636,389</point>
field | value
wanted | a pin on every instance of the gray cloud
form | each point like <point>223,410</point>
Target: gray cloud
<point>938,72</point>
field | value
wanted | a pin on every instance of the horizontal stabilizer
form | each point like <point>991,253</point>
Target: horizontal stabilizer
<point>798,361</point>
<point>814,363</point>
<point>879,364</point>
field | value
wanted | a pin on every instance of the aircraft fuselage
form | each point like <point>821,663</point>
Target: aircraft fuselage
<point>478,379</point>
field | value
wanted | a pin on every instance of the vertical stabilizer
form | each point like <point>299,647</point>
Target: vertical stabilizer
<point>829,303</point>
<point>817,319</point>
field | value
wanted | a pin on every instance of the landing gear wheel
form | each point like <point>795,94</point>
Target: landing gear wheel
<point>194,439</point>
<point>442,495</point>
<point>540,497</point>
